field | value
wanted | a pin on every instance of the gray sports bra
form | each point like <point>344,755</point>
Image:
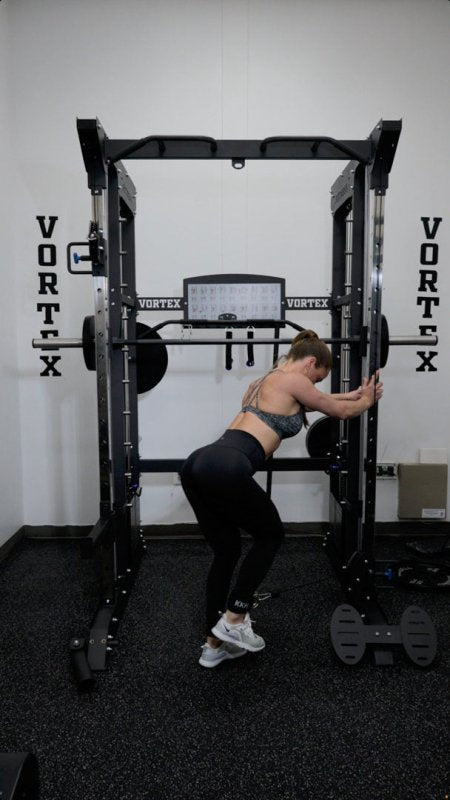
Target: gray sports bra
<point>284,425</point>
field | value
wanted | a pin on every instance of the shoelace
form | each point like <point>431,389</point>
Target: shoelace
<point>248,622</point>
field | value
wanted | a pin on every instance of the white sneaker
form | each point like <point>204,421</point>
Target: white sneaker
<point>241,634</point>
<point>212,656</point>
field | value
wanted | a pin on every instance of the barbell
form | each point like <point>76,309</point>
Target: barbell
<point>151,363</point>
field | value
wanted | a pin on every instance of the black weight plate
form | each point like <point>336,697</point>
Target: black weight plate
<point>384,349</point>
<point>347,634</point>
<point>89,342</point>
<point>418,636</point>
<point>151,361</point>
<point>318,438</point>
<point>424,576</point>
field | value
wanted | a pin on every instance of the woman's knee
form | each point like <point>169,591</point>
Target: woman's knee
<point>272,537</point>
<point>227,550</point>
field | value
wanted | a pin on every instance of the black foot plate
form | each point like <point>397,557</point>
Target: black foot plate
<point>347,634</point>
<point>416,633</point>
<point>418,636</point>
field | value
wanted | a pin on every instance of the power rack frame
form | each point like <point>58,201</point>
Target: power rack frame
<point>357,206</point>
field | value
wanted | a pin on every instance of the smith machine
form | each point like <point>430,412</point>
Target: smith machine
<point>130,357</point>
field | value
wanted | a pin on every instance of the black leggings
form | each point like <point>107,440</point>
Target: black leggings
<point>218,482</point>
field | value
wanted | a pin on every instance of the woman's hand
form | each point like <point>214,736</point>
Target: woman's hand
<point>371,389</point>
<point>375,391</point>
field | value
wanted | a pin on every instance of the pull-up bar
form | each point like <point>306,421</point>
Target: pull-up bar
<point>204,147</point>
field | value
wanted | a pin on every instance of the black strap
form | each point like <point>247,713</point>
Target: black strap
<point>250,353</point>
<point>228,356</point>
<point>269,476</point>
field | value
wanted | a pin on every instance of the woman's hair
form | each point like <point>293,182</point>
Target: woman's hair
<point>307,343</point>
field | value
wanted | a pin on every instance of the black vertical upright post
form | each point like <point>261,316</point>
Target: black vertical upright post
<point>358,200</point>
<point>117,409</point>
<point>129,274</point>
<point>113,267</point>
<point>124,409</point>
<point>336,540</point>
<point>349,199</point>
<point>276,333</point>
<point>355,457</point>
<point>384,138</point>
<point>130,387</point>
<point>374,297</point>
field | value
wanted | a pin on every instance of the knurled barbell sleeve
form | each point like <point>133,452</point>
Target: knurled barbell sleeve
<point>55,344</point>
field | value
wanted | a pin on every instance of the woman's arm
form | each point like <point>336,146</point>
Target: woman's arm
<point>355,395</point>
<point>337,406</point>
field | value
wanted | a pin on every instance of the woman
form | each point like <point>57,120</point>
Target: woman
<point>218,482</point>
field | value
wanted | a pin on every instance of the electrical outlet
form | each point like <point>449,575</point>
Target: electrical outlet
<point>386,471</point>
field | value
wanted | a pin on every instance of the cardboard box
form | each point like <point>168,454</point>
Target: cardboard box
<point>422,491</point>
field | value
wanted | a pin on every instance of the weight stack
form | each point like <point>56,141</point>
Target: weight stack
<point>19,776</point>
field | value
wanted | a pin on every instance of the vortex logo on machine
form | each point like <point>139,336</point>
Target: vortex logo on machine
<point>429,257</point>
<point>48,286</point>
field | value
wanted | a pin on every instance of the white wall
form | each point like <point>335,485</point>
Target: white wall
<point>228,69</point>
<point>11,481</point>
